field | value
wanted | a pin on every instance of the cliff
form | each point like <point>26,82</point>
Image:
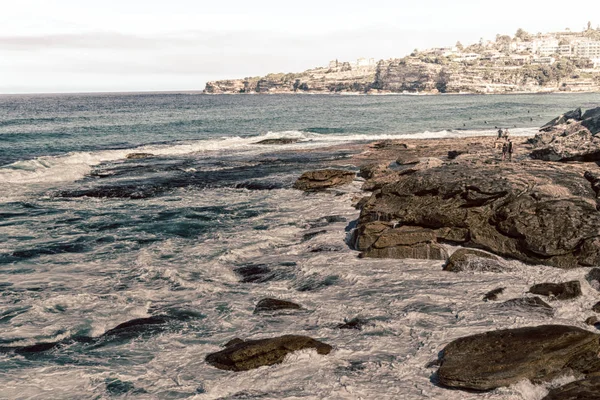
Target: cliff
<point>418,74</point>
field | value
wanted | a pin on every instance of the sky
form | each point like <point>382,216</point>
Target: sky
<point>51,46</point>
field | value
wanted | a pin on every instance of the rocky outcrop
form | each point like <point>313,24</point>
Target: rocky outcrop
<point>313,181</point>
<point>243,355</point>
<point>266,305</point>
<point>506,209</point>
<point>585,389</point>
<point>474,260</point>
<point>505,357</point>
<point>562,119</point>
<point>382,240</point>
<point>558,291</point>
<point>569,137</point>
<point>355,323</point>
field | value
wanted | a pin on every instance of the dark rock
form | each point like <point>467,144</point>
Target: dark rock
<point>586,389</point>
<point>529,304</point>
<point>498,209</point>
<point>452,154</point>
<point>274,305</point>
<point>596,307</point>
<point>384,144</point>
<point>381,240</point>
<point>560,291</point>
<point>593,320</point>
<point>116,387</point>
<point>591,120</point>
<point>322,248</point>
<point>591,113</point>
<point>369,171</point>
<point>502,358</point>
<point>593,278</point>
<point>358,204</point>
<point>138,327</point>
<point>260,273</point>
<point>279,141</point>
<point>492,295</point>
<point>233,342</point>
<point>323,179</point>
<point>452,235</point>
<point>354,323</point>
<point>407,160</point>
<point>570,115</point>
<point>252,354</point>
<point>139,156</point>
<point>474,260</point>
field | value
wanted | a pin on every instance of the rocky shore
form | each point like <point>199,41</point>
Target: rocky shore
<point>539,207</point>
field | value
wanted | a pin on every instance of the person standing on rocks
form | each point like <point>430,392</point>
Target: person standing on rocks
<point>510,149</point>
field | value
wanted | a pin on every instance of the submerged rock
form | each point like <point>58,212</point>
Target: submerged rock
<point>323,179</point>
<point>502,358</point>
<point>474,260</point>
<point>250,354</point>
<point>585,389</point>
<point>279,141</point>
<point>275,304</point>
<point>529,304</point>
<point>593,278</point>
<point>354,323</point>
<point>492,295</point>
<point>560,291</point>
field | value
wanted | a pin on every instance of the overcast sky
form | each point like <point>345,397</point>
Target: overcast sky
<point>145,45</point>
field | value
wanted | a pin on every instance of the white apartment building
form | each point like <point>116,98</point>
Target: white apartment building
<point>587,49</point>
<point>546,47</point>
<point>365,62</point>
<point>467,57</point>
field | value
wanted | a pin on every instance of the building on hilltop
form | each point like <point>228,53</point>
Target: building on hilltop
<point>587,49</point>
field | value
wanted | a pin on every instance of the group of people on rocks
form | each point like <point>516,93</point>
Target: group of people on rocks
<point>507,144</point>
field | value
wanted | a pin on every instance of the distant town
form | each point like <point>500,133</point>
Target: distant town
<point>522,63</point>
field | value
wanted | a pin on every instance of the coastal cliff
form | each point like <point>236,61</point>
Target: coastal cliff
<point>420,75</point>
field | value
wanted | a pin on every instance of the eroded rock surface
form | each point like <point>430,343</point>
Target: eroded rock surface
<point>250,354</point>
<point>474,260</point>
<point>505,357</point>
<point>382,240</point>
<point>585,389</point>
<point>536,212</point>
<point>312,181</point>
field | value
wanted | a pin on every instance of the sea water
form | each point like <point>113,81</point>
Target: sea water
<point>90,239</point>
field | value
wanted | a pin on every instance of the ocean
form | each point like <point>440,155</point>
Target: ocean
<point>90,239</point>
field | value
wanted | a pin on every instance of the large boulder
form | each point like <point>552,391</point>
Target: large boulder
<point>591,120</point>
<point>585,389</point>
<point>560,291</point>
<point>383,240</point>
<point>474,260</point>
<point>534,212</point>
<point>323,179</point>
<point>243,355</point>
<point>561,119</point>
<point>502,358</point>
<point>573,142</point>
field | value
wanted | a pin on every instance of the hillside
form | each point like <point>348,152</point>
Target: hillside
<point>553,62</point>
